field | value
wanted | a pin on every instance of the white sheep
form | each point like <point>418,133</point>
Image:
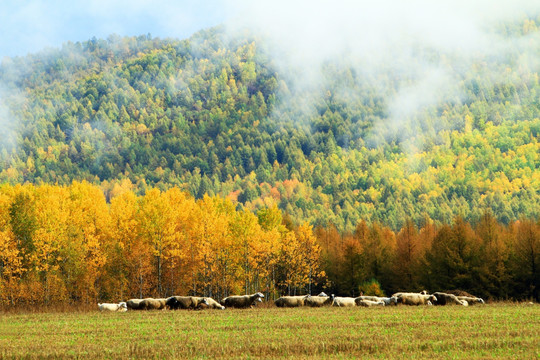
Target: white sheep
<point>120,307</point>
<point>239,301</point>
<point>387,300</point>
<point>343,301</point>
<point>415,299</point>
<point>368,303</point>
<point>471,300</point>
<point>319,301</point>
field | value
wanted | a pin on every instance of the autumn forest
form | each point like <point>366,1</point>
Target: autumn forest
<point>67,244</point>
<point>140,166</point>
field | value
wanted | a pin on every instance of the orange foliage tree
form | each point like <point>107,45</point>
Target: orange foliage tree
<point>67,244</point>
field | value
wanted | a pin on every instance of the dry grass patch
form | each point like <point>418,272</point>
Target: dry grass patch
<point>491,331</point>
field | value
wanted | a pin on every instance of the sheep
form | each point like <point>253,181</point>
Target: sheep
<point>343,301</point>
<point>447,299</point>
<point>120,307</point>
<point>319,300</point>
<point>415,299</point>
<point>471,300</point>
<point>368,303</point>
<point>239,301</point>
<point>134,304</point>
<point>183,302</point>
<point>153,304</point>
<point>291,301</point>
<point>387,300</point>
<point>211,304</point>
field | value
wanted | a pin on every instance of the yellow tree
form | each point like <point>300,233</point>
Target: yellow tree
<point>52,217</point>
<point>265,257</point>
<point>156,216</point>
<point>310,253</point>
<point>11,264</point>
<point>268,246</point>
<point>179,270</point>
<point>83,256</point>
<point>215,247</point>
<point>11,268</point>
<point>245,230</point>
<point>10,260</point>
<point>129,258</point>
<point>290,263</point>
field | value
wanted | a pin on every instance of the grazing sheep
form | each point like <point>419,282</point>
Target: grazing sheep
<point>134,304</point>
<point>239,301</point>
<point>183,302</point>
<point>211,304</point>
<point>387,300</point>
<point>319,300</point>
<point>415,299</point>
<point>343,301</point>
<point>447,299</point>
<point>368,303</point>
<point>153,304</point>
<point>471,300</point>
<point>291,301</point>
<point>120,307</point>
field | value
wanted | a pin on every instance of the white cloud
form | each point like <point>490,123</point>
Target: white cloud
<point>418,41</point>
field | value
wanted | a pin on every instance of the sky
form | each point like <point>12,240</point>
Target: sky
<point>28,26</point>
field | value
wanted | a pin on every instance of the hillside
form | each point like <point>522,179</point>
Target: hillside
<point>215,115</point>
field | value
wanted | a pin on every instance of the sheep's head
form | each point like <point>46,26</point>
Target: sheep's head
<point>204,301</point>
<point>260,294</point>
<point>393,299</point>
<point>123,305</point>
<point>481,301</point>
<point>172,301</point>
<point>432,298</point>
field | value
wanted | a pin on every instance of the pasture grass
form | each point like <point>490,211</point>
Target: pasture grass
<point>501,330</point>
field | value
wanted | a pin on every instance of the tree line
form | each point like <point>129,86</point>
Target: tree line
<point>68,244</point>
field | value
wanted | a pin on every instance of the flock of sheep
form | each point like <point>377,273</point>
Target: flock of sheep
<point>247,301</point>
<point>405,298</point>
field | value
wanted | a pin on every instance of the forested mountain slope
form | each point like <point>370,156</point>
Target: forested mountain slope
<point>214,114</point>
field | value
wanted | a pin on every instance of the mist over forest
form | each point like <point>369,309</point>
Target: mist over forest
<point>422,113</point>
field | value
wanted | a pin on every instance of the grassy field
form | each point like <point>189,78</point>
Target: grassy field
<point>490,331</point>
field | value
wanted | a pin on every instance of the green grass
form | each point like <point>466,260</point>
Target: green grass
<point>490,331</point>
